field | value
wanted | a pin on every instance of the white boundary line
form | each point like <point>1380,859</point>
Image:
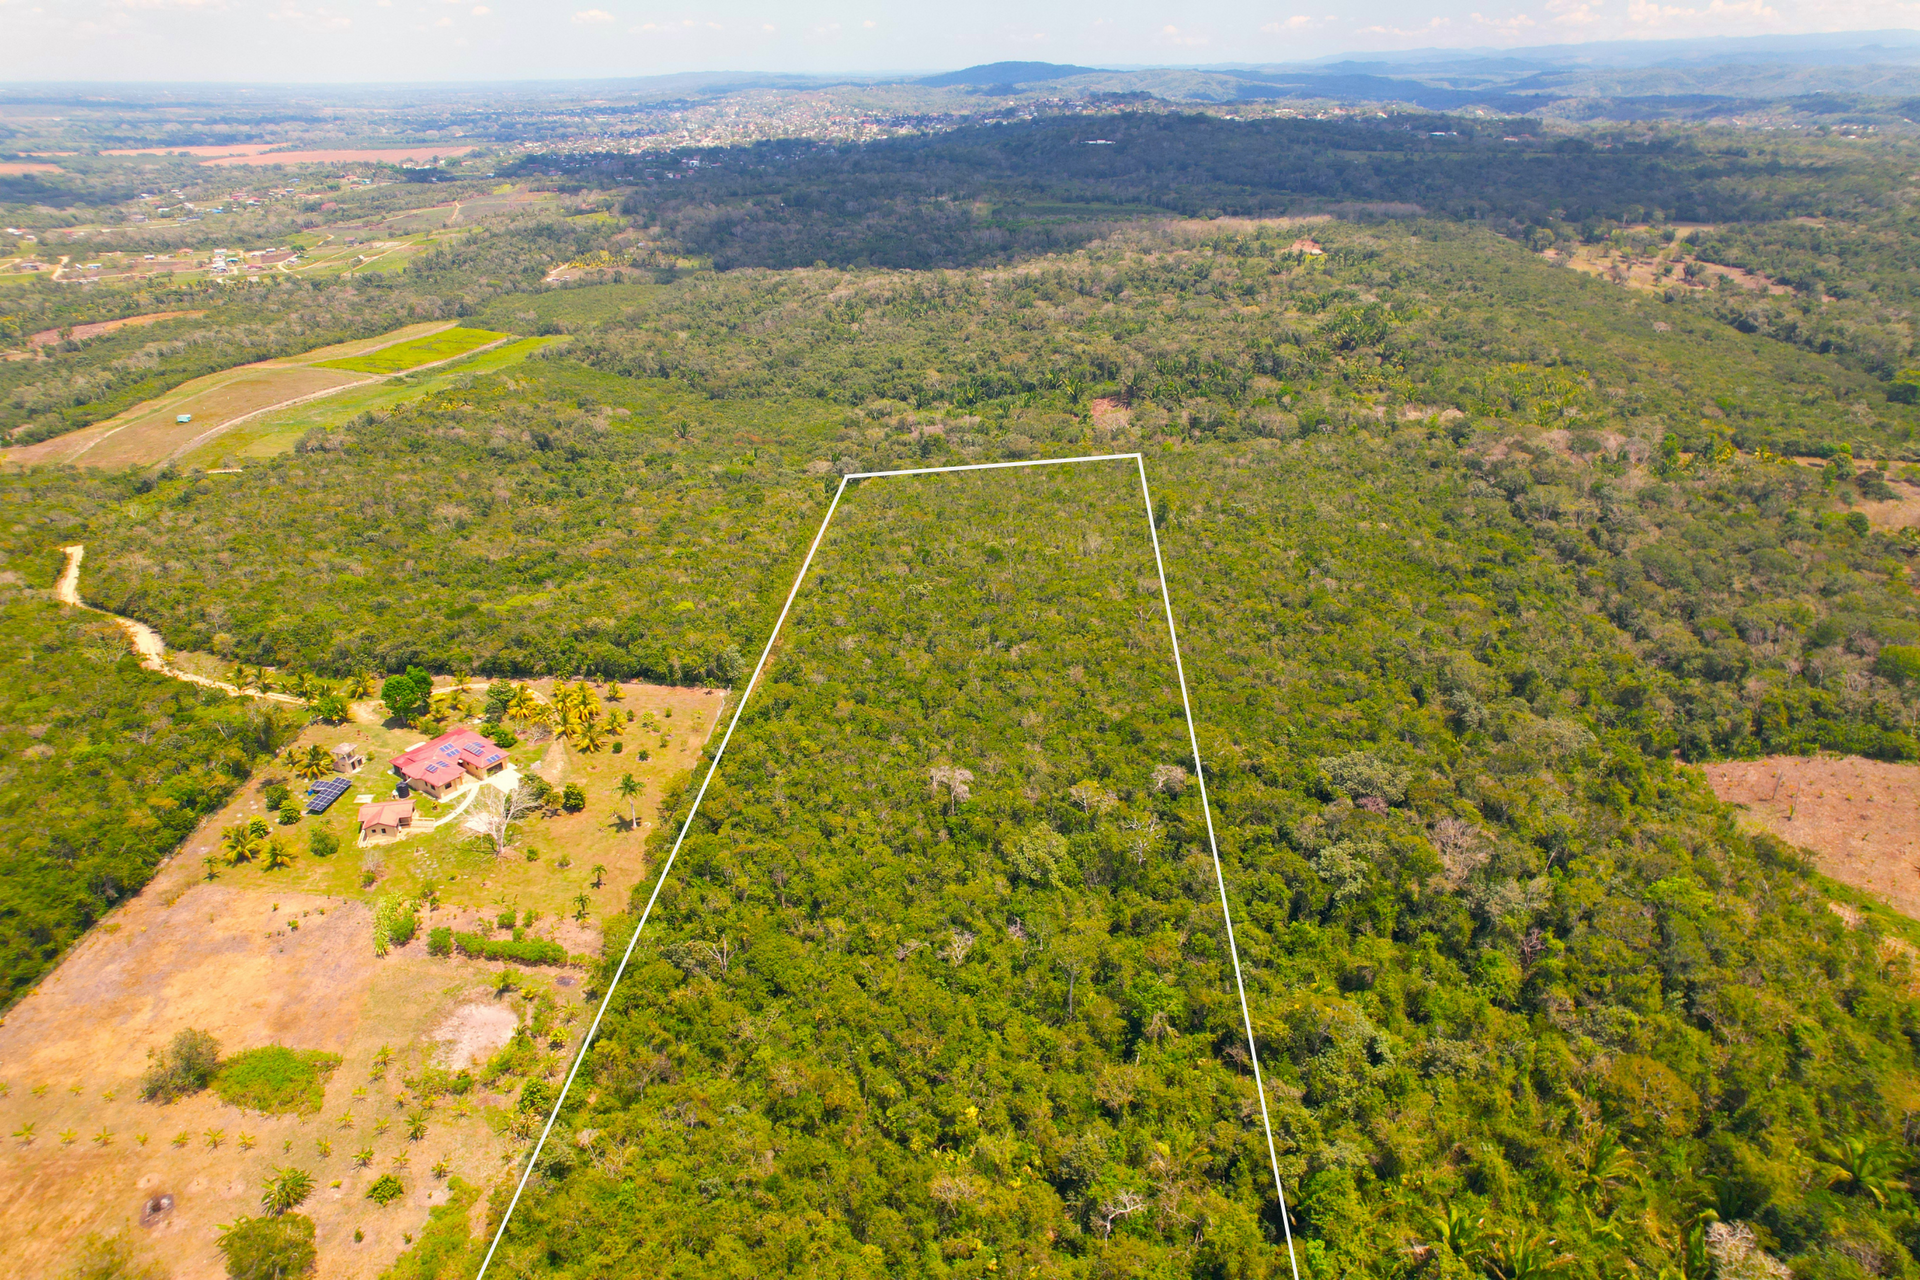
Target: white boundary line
<point>1199,774</point>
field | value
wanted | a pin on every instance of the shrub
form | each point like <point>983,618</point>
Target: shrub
<point>616,747</point>
<point>503,737</point>
<point>269,1248</point>
<point>440,942</point>
<point>530,951</point>
<point>289,814</point>
<point>573,799</point>
<point>445,1247</point>
<point>504,920</point>
<point>536,1097</point>
<point>185,1066</point>
<point>322,843</point>
<point>276,1079</point>
<point>385,1189</point>
<point>394,924</point>
<point>276,795</point>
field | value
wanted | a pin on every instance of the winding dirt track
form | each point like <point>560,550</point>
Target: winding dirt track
<point>146,641</point>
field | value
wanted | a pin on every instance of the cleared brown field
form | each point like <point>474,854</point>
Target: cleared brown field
<point>17,169</point>
<point>81,332</point>
<point>349,156</point>
<point>233,149</point>
<point>1861,818</point>
<point>253,968</point>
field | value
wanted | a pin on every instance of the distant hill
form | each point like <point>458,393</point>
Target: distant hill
<point>1006,73</point>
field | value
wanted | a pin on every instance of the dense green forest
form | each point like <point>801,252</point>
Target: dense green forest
<point>1528,1003</point>
<point>1471,555</point>
<point>107,769</point>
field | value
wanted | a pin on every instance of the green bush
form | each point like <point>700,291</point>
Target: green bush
<point>269,1248</point>
<point>185,1066</point>
<point>276,1079</point>
<point>440,941</point>
<point>445,1250</point>
<point>530,951</point>
<point>1899,662</point>
<point>385,1189</point>
<point>276,795</point>
<point>536,1097</point>
<point>322,843</point>
<point>503,737</point>
<point>573,799</point>
<point>289,814</point>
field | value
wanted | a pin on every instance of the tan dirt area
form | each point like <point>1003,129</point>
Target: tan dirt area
<point>385,155</point>
<point>231,149</point>
<point>1861,818</point>
<point>1658,270</point>
<point>81,332</point>
<point>224,960</point>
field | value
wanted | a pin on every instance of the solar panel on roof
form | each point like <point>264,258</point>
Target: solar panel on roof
<point>323,793</point>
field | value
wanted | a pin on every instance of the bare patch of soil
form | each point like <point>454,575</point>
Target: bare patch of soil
<point>473,1033</point>
<point>1860,818</point>
<point>81,332</point>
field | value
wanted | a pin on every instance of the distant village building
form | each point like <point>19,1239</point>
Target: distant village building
<point>447,762</point>
<point>387,820</point>
<point>348,757</point>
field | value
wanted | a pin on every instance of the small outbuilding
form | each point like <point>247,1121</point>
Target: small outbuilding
<point>348,757</point>
<point>386,820</point>
<point>184,418</point>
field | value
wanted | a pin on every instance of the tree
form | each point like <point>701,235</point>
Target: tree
<point>311,763</point>
<point>285,1190</point>
<point>495,812</point>
<point>572,798</point>
<point>322,843</point>
<point>269,1248</point>
<point>523,706</point>
<point>599,875</point>
<point>332,707</point>
<point>244,841</point>
<point>278,855</point>
<point>403,698</point>
<point>185,1066</point>
<point>630,790</point>
<point>957,781</point>
<point>1040,857</point>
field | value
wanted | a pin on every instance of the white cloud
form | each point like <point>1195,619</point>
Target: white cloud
<point>587,17</point>
<point>1171,34</point>
<point>481,11</point>
<point>1298,22</point>
<point>1648,15</point>
<point>869,24</point>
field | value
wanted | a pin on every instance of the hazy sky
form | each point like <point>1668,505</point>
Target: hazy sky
<point>339,40</point>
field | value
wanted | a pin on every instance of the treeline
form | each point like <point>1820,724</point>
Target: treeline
<point>108,768</point>
<point>928,201</point>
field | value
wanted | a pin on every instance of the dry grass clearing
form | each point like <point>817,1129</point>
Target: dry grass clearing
<point>81,332</point>
<point>1861,818</point>
<point>261,957</point>
<point>253,969</point>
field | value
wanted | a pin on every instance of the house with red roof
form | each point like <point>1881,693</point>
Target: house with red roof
<point>387,820</point>
<point>449,761</point>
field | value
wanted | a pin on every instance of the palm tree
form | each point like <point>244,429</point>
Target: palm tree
<point>277,855</point>
<point>285,1190</point>
<point>630,792</point>
<point>591,736</point>
<point>364,685</point>
<point>312,763</point>
<point>243,840</point>
<point>524,707</point>
<point>599,875</point>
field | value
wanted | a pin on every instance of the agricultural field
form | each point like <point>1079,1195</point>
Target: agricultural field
<point>152,433</point>
<point>446,344</point>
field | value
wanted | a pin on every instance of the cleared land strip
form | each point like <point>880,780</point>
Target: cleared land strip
<point>146,641</point>
<point>151,434</point>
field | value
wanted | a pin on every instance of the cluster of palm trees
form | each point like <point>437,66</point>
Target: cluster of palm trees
<point>328,699</point>
<point>248,841</point>
<point>310,763</point>
<point>574,714</point>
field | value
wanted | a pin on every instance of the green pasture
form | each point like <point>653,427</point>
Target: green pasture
<point>403,356</point>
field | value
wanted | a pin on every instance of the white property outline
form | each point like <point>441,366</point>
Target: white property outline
<point>1206,807</point>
